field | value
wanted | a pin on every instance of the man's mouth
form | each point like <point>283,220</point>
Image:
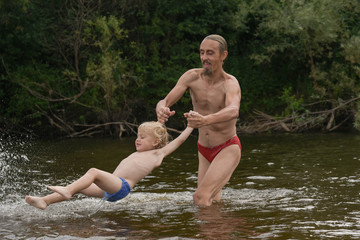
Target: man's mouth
<point>206,64</point>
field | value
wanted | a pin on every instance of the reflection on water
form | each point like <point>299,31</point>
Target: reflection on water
<point>216,222</point>
<point>286,187</point>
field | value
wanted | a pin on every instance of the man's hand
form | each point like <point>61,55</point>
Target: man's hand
<point>195,119</point>
<point>163,114</point>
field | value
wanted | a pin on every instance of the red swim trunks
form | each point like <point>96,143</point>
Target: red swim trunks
<point>211,152</point>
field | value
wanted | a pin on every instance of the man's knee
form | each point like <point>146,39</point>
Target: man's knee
<point>201,199</point>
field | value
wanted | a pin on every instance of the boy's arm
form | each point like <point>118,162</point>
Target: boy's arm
<point>173,145</point>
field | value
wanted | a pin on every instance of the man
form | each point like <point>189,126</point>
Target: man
<point>216,101</point>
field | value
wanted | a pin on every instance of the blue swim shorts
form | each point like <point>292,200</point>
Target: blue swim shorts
<point>123,192</point>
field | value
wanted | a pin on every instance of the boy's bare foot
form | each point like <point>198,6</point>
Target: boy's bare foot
<point>36,202</point>
<point>61,190</point>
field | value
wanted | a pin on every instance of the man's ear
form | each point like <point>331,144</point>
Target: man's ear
<point>224,55</point>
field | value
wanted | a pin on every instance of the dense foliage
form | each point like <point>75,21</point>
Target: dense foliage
<point>76,67</point>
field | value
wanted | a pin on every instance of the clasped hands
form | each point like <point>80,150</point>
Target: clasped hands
<point>195,119</point>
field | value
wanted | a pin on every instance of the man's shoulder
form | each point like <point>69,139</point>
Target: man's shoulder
<point>192,74</point>
<point>231,79</point>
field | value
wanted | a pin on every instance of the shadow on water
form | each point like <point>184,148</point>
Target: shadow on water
<point>286,187</point>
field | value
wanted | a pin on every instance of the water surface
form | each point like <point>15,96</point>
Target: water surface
<point>285,187</point>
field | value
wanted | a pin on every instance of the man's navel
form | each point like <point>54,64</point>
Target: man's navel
<point>207,139</point>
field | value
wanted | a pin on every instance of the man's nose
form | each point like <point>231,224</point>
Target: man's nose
<point>204,57</point>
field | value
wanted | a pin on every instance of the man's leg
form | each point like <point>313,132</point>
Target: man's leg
<point>204,164</point>
<point>215,177</point>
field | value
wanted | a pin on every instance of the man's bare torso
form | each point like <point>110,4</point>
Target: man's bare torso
<point>209,97</point>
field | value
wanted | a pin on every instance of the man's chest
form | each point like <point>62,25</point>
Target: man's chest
<point>208,97</point>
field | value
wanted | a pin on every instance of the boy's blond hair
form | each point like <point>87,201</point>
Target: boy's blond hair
<point>158,130</point>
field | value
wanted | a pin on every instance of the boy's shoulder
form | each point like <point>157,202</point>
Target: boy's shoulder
<point>151,158</point>
<point>148,154</point>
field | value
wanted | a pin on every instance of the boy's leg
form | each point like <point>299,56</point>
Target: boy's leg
<point>93,191</point>
<point>43,202</point>
<point>92,184</point>
<point>103,180</point>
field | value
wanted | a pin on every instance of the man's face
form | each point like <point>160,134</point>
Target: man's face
<point>210,56</point>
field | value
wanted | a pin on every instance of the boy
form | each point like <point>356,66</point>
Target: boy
<point>151,148</point>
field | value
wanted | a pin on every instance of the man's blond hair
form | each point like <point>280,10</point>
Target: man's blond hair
<point>222,42</point>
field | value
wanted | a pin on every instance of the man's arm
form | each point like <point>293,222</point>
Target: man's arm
<point>232,104</point>
<point>229,112</point>
<point>163,106</point>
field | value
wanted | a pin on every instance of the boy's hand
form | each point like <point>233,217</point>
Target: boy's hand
<point>195,119</point>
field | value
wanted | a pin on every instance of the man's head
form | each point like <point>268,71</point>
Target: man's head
<point>213,52</point>
<point>222,42</point>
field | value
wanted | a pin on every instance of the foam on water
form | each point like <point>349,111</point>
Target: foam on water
<point>83,206</point>
<point>261,177</point>
<point>143,203</point>
<point>147,205</point>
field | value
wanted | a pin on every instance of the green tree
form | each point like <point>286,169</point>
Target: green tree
<point>167,36</point>
<point>85,67</point>
<point>74,83</point>
<point>302,45</point>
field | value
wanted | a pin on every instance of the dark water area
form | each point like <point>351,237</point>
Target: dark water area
<point>303,186</point>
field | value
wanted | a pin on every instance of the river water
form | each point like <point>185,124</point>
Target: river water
<point>303,186</point>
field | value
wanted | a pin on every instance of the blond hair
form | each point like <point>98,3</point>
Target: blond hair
<point>222,42</point>
<point>158,130</point>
